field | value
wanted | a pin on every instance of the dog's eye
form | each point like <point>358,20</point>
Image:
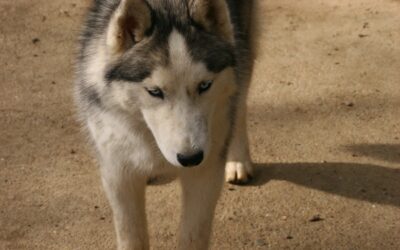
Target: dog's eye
<point>156,92</point>
<point>204,86</point>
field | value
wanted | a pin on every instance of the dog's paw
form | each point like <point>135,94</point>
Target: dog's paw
<point>238,173</point>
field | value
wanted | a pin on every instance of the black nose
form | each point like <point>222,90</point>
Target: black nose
<point>190,160</point>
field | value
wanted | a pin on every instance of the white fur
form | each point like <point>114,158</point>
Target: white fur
<point>238,168</point>
<point>179,123</point>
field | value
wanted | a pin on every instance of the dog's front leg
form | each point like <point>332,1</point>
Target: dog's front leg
<point>126,196</point>
<point>238,169</point>
<point>201,188</point>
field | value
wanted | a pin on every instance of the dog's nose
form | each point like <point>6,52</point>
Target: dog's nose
<point>191,160</point>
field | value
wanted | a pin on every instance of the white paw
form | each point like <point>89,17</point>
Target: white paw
<point>237,172</point>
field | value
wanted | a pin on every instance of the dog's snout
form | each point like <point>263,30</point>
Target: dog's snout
<point>190,160</point>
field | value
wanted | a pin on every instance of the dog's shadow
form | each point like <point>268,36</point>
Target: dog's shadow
<point>372,183</point>
<point>384,152</point>
<point>366,182</point>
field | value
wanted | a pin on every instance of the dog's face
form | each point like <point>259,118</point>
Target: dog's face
<point>178,75</point>
<point>178,102</point>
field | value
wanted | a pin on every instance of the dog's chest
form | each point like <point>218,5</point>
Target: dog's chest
<point>119,143</point>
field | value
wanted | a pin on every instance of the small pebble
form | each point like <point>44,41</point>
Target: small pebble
<point>66,13</point>
<point>348,104</point>
<point>261,242</point>
<point>316,218</point>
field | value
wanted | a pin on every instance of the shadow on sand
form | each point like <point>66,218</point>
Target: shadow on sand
<point>385,152</point>
<point>366,182</point>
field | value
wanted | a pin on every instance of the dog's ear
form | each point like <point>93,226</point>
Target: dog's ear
<point>212,15</point>
<point>128,25</point>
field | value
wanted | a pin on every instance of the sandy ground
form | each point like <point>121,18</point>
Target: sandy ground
<point>324,124</point>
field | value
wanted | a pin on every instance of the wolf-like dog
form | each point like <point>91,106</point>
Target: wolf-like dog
<point>161,88</point>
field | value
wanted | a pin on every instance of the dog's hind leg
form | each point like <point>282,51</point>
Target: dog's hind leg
<point>238,169</point>
<point>201,188</point>
<point>126,196</point>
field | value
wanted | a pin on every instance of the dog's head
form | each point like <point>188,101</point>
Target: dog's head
<point>174,60</point>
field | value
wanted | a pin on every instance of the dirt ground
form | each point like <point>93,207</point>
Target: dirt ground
<point>324,124</point>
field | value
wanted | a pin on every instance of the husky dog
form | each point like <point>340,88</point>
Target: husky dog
<point>161,88</point>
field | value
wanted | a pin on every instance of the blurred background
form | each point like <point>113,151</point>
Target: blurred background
<point>324,125</point>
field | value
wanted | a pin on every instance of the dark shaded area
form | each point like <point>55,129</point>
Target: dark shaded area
<point>385,152</point>
<point>366,182</point>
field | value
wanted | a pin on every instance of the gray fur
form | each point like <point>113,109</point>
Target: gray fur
<point>166,15</point>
